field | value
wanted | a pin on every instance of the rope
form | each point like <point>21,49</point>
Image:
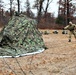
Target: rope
<point>9,66</point>
<point>20,66</point>
<point>18,62</point>
<point>30,65</point>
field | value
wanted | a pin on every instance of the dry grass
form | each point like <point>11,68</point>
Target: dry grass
<point>58,59</point>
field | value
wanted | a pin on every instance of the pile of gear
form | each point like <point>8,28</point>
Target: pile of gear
<point>20,36</point>
<point>55,32</point>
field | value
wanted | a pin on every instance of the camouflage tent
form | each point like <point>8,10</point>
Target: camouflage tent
<point>20,36</point>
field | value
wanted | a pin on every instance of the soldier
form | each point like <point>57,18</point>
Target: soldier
<point>71,27</point>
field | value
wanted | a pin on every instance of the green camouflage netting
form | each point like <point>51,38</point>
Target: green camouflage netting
<point>20,36</point>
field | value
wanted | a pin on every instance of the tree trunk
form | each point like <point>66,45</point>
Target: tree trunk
<point>68,13</point>
<point>46,7</point>
<point>18,6</point>
<point>10,7</point>
<point>40,9</point>
<point>65,19</point>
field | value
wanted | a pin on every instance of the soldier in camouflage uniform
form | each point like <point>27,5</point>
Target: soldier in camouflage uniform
<point>71,27</point>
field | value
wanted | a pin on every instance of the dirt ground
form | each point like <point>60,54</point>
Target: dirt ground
<point>58,59</point>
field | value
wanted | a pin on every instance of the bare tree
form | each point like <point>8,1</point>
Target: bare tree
<point>36,5</point>
<point>18,1</point>
<point>66,10</point>
<point>1,4</point>
<point>1,7</point>
<point>11,1</point>
<point>41,10</point>
<point>27,3</point>
<point>28,12</point>
<point>11,7</point>
<point>39,6</point>
<point>47,5</point>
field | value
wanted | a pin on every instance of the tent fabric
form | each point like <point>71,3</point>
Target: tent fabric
<point>20,36</point>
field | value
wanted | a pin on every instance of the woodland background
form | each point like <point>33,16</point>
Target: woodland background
<point>46,20</point>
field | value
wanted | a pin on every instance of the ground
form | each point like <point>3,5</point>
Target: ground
<point>58,59</point>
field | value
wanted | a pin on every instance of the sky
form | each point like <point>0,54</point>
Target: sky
<point>53,7</point>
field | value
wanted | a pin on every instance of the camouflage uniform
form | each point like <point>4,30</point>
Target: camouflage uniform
<point>71,27</point>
